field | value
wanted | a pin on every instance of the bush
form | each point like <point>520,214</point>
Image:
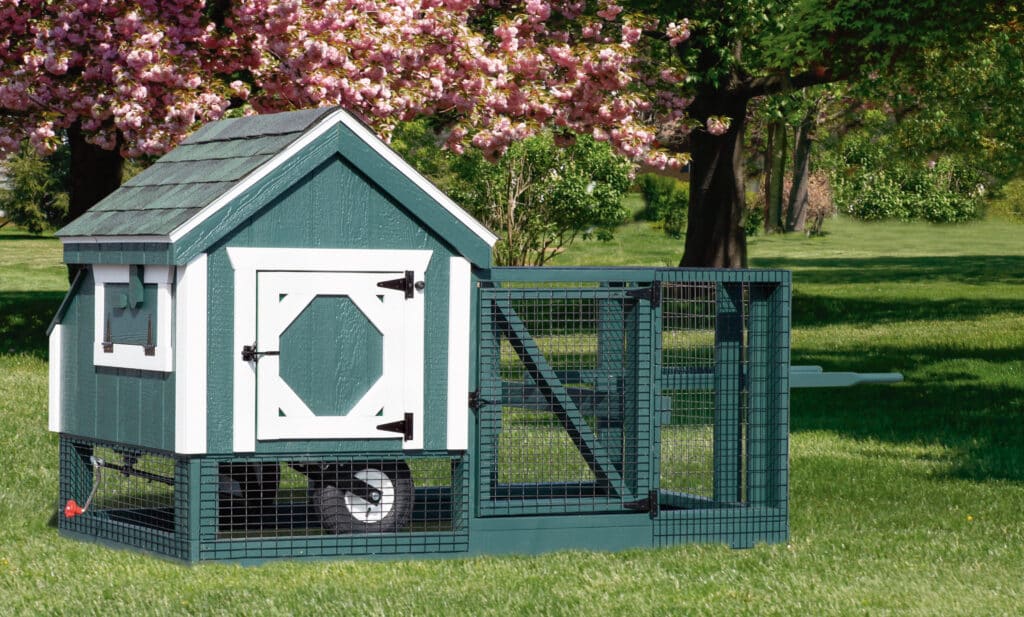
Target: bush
<point>870,187</point>
<point>667,200</point>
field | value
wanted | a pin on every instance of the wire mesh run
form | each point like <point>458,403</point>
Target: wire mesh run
<point>130,496</point>
<point>722,444</point>
<point>558,400</point>
<point>304,505</point>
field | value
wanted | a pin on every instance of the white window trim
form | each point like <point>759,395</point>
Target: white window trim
<point>134,356</point>
<point>246,262</point>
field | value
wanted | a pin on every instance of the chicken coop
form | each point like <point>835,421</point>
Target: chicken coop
<point>282,341</point>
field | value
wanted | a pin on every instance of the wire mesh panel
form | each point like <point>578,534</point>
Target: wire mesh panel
<point>304,505</point>
<point>563,424</point>
<point>130,496</point>
<point>722,441</point>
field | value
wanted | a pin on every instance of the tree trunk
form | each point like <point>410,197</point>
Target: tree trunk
<point>94,174</point>
<point>798,194</point>
<point>775,173</point>
<point>714,228</point>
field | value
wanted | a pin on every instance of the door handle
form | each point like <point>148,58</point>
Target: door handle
<point>249,353</point>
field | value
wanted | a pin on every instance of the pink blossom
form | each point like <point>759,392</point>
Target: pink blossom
<point>610,12</point>
<point>718,125</point>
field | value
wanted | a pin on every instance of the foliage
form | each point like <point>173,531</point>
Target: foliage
<point>1008,201</point>
<point>667,200</point>
<point>871,182</point>
<point>753,216</point>
<point>139,76</point>
<point>539,197</point>
<point>35,198</point>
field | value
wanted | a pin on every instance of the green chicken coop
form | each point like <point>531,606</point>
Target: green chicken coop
<point>282,341</point>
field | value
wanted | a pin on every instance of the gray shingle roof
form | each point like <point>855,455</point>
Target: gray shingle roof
<point>193,175</point>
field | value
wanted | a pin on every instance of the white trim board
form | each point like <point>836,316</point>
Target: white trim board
<point>134,356</point>
<point>459,319</point>
<point>56,378</point>
<point>248,262</point>
<point>190,341</point>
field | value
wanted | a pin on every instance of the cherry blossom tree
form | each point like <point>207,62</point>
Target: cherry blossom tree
<point>125,79</point>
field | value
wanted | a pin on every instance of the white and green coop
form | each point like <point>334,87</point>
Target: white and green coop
<point>282,341</point>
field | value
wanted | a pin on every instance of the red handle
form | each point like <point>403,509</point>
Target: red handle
<point>72,509</point>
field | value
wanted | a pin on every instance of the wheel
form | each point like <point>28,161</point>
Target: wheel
<point>368,497</point>
<point>247,493</point>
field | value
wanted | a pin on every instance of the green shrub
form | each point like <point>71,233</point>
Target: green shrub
<point>870,187</point>
<point>667,200</point>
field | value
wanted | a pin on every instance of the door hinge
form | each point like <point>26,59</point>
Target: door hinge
<point>648,504</point>
<point>405,284</point>
<point>651,293</point>
<point>476,402</point>
<point>249,353</point>
<point>403,426</point>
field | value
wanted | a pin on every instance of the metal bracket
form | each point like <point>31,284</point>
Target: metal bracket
<point>405,284</point>
<point>149,348</point>
<point>648,504</point>
<point>403,426</point>
<point>249,353</point>
<point>475,402</point>
<point>651,293</point>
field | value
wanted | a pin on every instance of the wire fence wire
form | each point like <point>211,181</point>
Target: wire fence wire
<point>260,507</point>
<point>134,496</point>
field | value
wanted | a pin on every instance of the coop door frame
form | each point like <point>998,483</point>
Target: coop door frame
<point>617,486</point>
<point>357,265</point>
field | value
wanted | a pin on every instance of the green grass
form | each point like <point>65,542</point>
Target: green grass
<point>906,499</point>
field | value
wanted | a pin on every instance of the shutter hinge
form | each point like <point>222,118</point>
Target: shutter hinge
<point>405,284</point>
<point>651,293</point>
<point>403,426</point>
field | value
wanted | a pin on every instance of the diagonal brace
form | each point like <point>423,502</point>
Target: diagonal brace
<point>558,398</point>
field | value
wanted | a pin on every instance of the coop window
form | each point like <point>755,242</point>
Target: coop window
<point>133,317</point>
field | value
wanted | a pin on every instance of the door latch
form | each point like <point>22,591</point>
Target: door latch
<point>249,353</point>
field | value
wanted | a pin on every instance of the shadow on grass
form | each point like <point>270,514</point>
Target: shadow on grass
<point>24,316</point>
<point>961,269</point>
<point>958,406</point>
<point>829,310</point>
<point>20,235</point>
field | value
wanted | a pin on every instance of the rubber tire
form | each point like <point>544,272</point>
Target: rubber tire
<point>257,489</point>
<point>330,498</point>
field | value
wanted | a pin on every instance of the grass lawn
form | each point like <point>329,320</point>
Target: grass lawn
<point>905,499</point>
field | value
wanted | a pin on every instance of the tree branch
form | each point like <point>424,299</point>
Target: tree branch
<point>773,84</point>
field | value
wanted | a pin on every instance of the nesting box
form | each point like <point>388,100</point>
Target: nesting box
<point>282,341</point>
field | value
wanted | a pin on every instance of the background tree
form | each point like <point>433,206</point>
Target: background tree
<point>35,197</point>
<point>538,196</point>
<point>122,79</point>
<point>741,50</point>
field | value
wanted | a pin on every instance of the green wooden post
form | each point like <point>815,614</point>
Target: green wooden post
<point>728,387</point>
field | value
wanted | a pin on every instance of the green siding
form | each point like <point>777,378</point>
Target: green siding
<point>331,355</point>
<point>332,206</point>
<point>130,326</point>
<point>119,405</point>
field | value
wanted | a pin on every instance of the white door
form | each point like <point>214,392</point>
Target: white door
<point>337,347</point>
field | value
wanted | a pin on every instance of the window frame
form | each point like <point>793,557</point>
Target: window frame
<point>134,356</point>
